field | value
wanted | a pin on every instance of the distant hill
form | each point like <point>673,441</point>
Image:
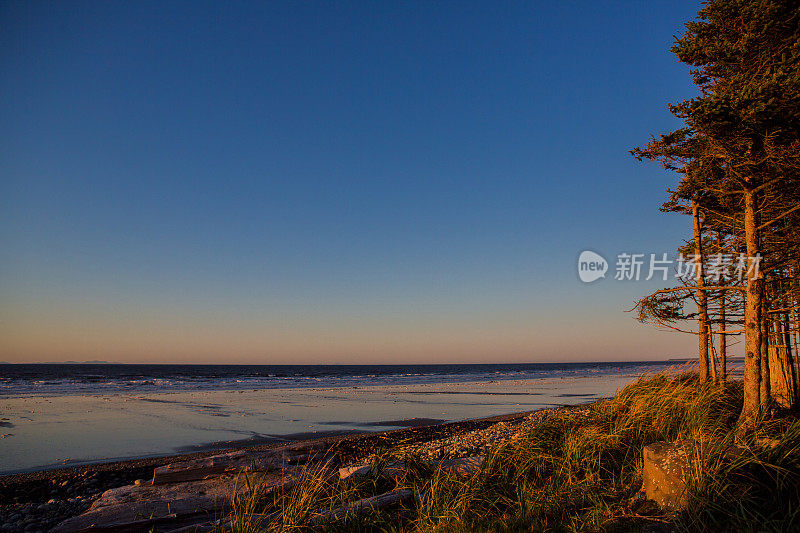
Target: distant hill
<point>77,363</point>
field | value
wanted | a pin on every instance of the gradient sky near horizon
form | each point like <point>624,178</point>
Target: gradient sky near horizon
<point>331,182</point>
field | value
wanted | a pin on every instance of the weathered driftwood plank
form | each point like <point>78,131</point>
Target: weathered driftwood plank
<point>255,520</point>
<point>139,516</point>
<point>363,506</point>
<point>129,508</point>
<point>217,465</point>
<point>205,527</point>
<point>461,466</point>
<point>392,470</point>
<point>192,493</point>
<point>185,522</point>
<point>237,461</point>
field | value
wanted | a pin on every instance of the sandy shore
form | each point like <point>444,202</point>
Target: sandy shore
<point>74,434</point>
<point>36,501</point>
<point>42,433</point>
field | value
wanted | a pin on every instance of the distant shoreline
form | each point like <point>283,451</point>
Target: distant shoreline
<point>54,379</point>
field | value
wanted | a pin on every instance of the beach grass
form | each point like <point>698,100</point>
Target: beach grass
<point>577,470</point>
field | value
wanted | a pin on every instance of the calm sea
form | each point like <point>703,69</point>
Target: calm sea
<point>18,380</point>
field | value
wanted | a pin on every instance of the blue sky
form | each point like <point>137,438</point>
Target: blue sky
<point>331,181</point>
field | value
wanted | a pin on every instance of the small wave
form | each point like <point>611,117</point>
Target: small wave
<point>27,380</point>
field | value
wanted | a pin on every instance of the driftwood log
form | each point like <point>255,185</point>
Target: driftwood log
<point>364,506</point>
<point>229,463</point>
<point>140,507</point>
<point>462,466</point>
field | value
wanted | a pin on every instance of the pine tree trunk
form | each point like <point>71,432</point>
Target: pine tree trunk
<point>712,356</point>
<point>723,342</point>
<point>787,340</point>
<point>723,339</point>
<point>765,394</point>
<point>794,323</point>
<point>702,297</point>
<point>751,408</point>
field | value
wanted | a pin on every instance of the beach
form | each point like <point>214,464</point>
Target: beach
<point>40,499</point>
<point>67,430</point>
<point>63,451</point>
<point>202,489</point>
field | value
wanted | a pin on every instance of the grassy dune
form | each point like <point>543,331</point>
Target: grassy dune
<point>576,471</point>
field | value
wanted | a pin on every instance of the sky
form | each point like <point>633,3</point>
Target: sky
<point>332,182</point>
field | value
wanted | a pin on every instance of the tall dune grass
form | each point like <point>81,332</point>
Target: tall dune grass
<point>579,470</point>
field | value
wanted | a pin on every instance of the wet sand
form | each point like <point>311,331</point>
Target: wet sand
<point>61,431</point>
<point>46,497</point>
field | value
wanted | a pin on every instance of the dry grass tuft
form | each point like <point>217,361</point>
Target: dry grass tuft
<point>579,471</point>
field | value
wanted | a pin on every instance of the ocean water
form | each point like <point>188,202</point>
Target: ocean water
<point>55,415</point>
<point>20,380</point>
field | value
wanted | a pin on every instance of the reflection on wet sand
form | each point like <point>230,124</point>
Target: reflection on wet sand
<point>88,428</point>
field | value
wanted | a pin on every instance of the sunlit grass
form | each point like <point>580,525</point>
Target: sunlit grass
<point>577,470</point>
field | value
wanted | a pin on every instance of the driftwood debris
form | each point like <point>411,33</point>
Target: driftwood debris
<point>196,495</point>
<point>462,466</point>
<point>140,507</point>
<point>392,470</point>
<point>227,463</point>
<point>363,506</point>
